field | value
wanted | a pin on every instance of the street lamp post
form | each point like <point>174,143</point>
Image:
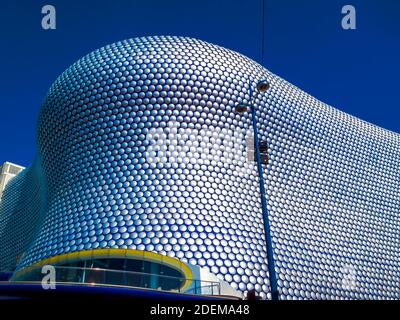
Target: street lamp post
<point>262,86</point>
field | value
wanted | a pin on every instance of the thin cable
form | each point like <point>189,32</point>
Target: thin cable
<point>262,32</point>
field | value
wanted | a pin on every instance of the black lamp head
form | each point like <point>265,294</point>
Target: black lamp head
<point>262,86</point>
<point>241,108</point>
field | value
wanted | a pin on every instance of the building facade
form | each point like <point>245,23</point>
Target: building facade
<point>8,171</point>
<point>141,156</point>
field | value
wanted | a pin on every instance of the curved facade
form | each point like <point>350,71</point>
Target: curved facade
<point>140,148</point>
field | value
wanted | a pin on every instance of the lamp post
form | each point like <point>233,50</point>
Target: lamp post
<point>262,86</point>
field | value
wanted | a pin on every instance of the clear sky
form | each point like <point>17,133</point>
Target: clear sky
<point>356,71</point>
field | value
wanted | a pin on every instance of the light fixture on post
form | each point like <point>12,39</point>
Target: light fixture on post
<point>262,87</point>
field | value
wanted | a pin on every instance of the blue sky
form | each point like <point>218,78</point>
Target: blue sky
<point>353,70</point>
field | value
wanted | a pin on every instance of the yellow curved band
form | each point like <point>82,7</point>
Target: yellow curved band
<point>114,253</point>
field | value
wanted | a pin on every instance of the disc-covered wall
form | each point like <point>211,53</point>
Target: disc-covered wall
<point>331,179</point>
